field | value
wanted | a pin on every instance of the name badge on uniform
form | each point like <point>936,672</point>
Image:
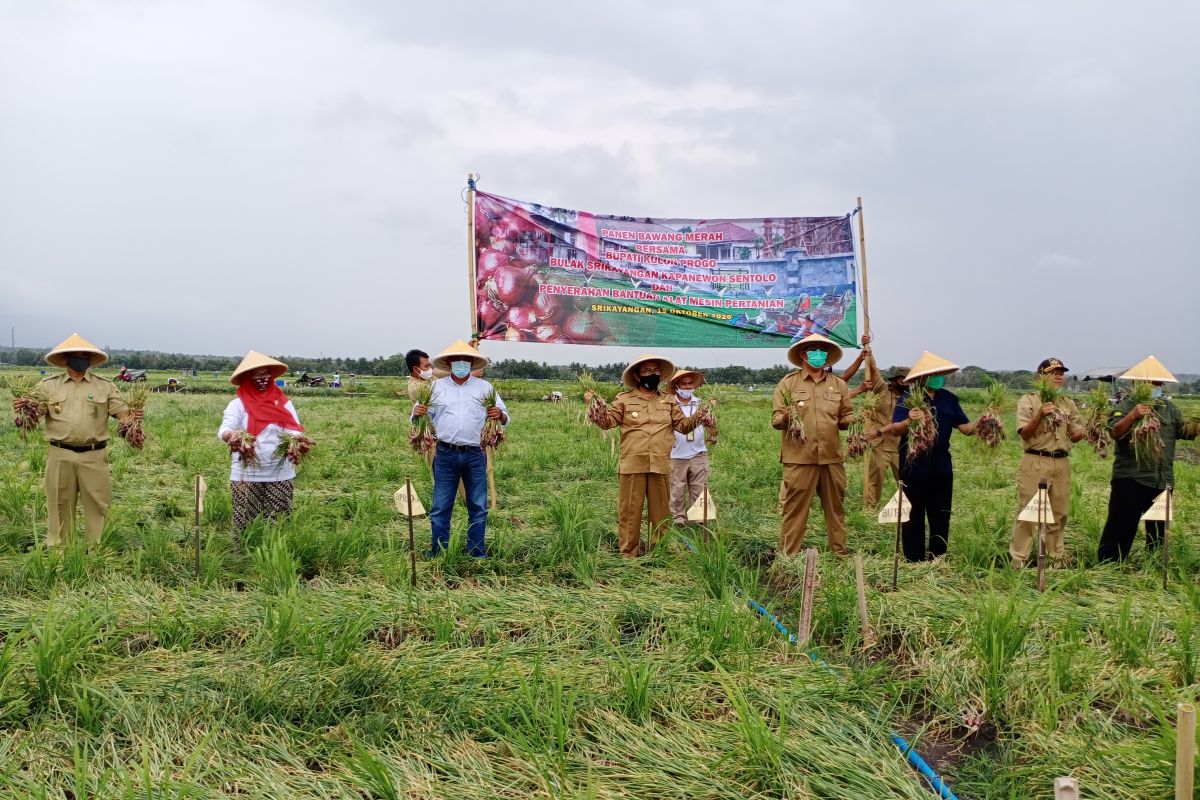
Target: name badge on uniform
<point>633,414</point>
<point>691,436</point>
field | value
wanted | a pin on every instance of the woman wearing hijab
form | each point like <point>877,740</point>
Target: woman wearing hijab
<point>260,482</point>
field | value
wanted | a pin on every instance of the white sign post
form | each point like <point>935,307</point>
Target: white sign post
<point>896,511</point>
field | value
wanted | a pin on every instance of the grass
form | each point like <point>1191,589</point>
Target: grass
<point>306,666</point>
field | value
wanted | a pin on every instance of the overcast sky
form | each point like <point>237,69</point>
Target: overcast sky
<point>212,177</point>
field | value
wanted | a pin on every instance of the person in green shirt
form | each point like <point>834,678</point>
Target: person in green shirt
<point>1136,483</point>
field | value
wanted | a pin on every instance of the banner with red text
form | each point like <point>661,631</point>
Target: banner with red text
<point>547,274</point>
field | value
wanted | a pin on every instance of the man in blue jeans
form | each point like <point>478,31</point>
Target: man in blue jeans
<point>457,413</point>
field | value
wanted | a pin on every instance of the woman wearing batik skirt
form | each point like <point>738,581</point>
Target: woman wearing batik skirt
<point>261,482</point>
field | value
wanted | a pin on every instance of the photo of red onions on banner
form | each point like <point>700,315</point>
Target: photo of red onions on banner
<point>554,275</point>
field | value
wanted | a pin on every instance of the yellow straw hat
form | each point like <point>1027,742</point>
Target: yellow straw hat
<point>1149,369</point>
<point>796,351</point>
<point>629,376</point>
<point>929,365</point>
<point>253,361</point>
<point>459,349</point>
<point>75,344</point>
<point>697,378</point>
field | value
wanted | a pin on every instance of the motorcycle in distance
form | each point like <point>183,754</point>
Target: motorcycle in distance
<point>310,380</point>
<point>131,376</point>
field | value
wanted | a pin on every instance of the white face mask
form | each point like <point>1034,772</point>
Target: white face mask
<point>685,394</point>
<point>426,374</point>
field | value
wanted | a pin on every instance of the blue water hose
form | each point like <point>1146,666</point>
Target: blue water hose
<point>914,758</point>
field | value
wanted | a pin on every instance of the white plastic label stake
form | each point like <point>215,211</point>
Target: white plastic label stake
<point>1030,512</point>
<point>696,512</point>
<point>887,514</point>
<point>1158,511</point>
<point>401,498</point>
<point>201,488</point>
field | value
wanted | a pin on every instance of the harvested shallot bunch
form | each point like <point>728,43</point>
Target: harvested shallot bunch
<point>492,434</point>
<point>795,420</point>
<point>1095,421</point>
<point>1144,435</point>
<point>28,415</point>
<point>293,447</point>
<point>922,432</point>
<point>1049,393</point>
<point>421,435</point>
<point>131,429</point>
<point>990,425</point>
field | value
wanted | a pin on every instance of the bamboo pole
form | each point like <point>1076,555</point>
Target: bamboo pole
<point>412,544</point>
<point>1066,788</point>
<point>864,623</point>
<point>899,516</point>
<point>491,479</point>
<point>1166,544</point>
<point>808,589</point>
<point>1041,569</point>
<point>472,255</point>
<point>862,252</point>
<point>196,530</point>
<point>1185,751</point>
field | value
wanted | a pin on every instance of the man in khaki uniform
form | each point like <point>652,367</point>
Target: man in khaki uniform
<point>1047,448</point>
<point>847,375</point>
<point>647,419</point>
<point>689,455</point>
<point>814,464</point>
<point>884,455</point>
<point>77,405</point>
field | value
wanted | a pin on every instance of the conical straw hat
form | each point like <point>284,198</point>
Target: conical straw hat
<point>629,376</point>
<point>1149,369</point>
<point>461,349</point>
<point>253,361</point>
<point>929,365</point>
<point>796,351</point>
<point>75,344</point>
<point>697,378</point>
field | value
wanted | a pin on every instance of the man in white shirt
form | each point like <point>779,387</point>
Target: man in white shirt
<point>689,455</point>
<point>457,413</point>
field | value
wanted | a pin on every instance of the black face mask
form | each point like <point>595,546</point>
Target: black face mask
<point>649,382</point>
<point>79,363</point>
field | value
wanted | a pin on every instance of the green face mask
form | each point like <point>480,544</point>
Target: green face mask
<point>936,382</point>
<point>816,358</point>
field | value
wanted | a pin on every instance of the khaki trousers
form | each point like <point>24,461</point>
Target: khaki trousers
<point>689,476</point>
<point>70,475</point>
<point>638,489</point>
<point>875,470</point>
<point>1057,473</point>
<point>802,481</point>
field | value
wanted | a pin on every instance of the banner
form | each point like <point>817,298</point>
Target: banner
<point>556,275</point>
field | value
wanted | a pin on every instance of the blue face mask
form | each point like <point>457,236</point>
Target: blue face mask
<point>460,369</point>
<point>816,358</point>
<point>1156,392</point>
<point>936,382</point>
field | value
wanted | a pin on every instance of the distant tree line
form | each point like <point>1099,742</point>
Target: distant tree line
<point>509,368</point>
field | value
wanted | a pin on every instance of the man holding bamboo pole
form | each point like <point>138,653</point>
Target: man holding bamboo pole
<point>647,418</point>
<point>76,405</point>
<point>884,454</point>
<point>809,408</point>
